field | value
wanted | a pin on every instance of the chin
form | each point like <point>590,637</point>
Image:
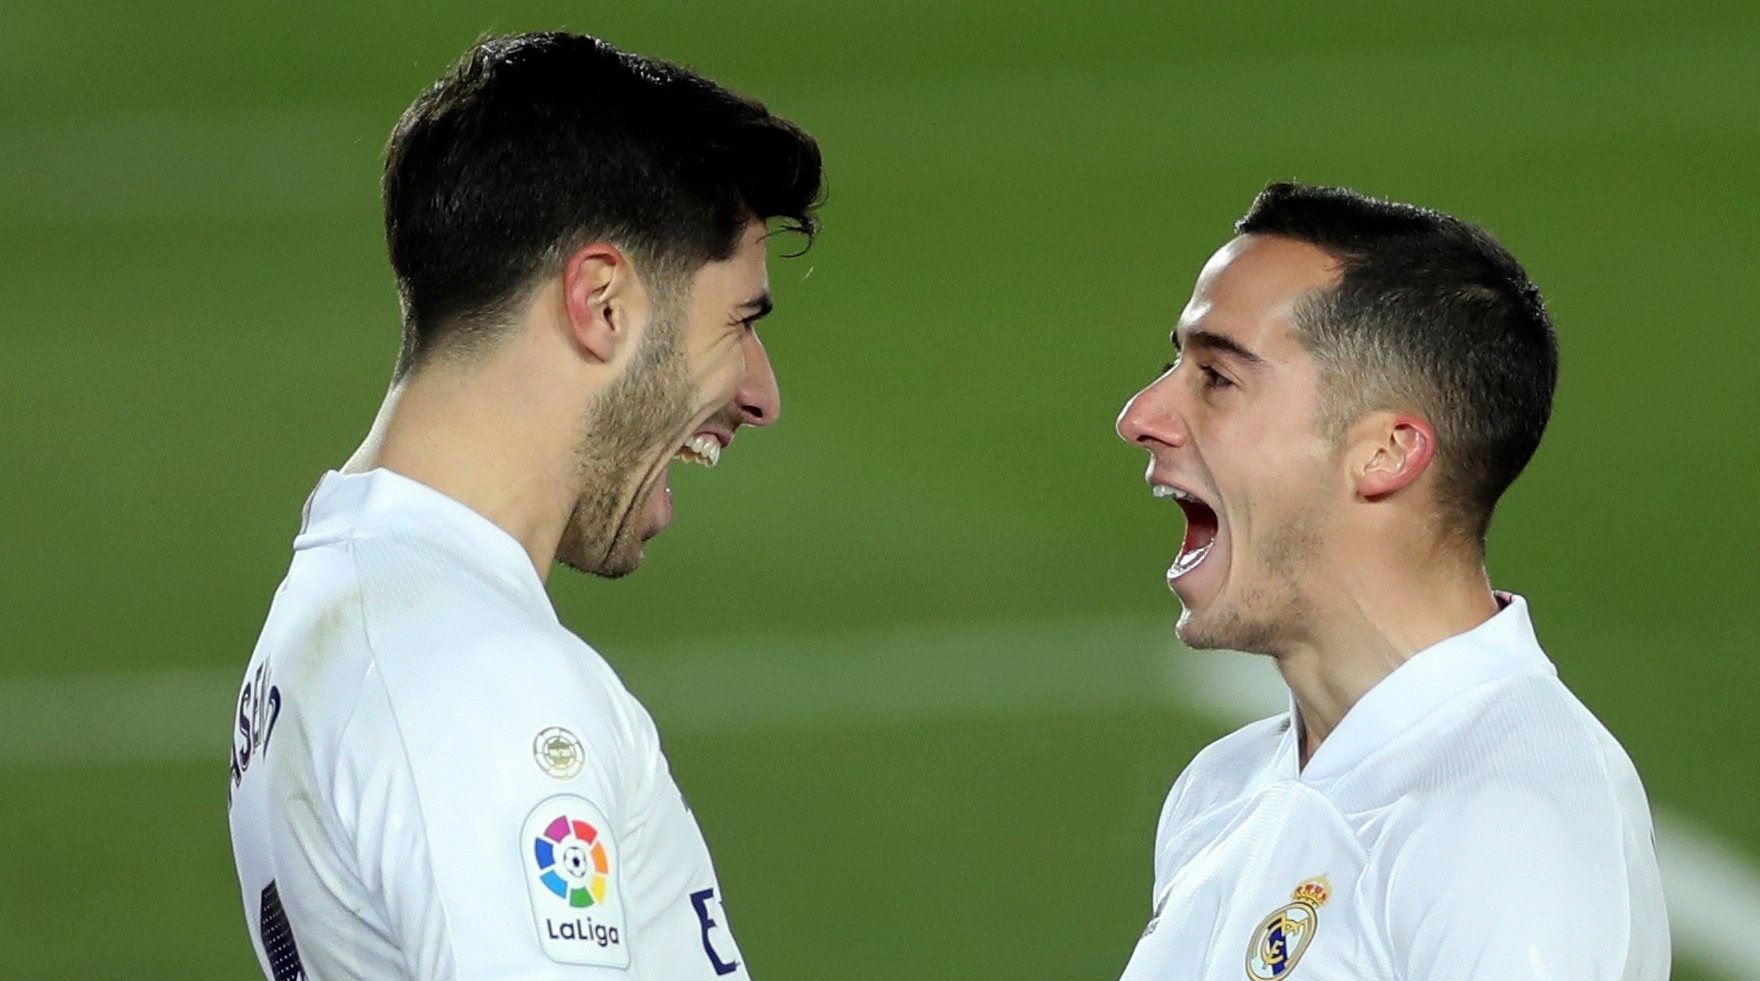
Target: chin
<point>578,550</point>
<point>1217,625</point>
<point>1193,628</point>
<point>1192,632</point>
<point>614,565</point>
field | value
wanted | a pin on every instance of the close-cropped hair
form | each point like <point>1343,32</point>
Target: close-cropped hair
<point>534,145</point>
<point>1429,314</point>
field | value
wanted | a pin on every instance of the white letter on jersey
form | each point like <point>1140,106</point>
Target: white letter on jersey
<point>571,867</point>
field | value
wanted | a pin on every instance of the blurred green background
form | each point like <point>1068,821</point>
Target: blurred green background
<point>909,649</point>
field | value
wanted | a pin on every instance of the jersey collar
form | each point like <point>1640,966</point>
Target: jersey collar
<point>379,500</point>
<point>1501,648</point>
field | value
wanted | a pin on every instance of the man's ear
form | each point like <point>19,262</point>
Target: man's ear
<point>1392,451</point>
<point>598,293</point>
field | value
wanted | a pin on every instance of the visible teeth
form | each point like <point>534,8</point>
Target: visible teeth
<point>1167,490</point>
<point>1189,561</point>
<point>705,450</point>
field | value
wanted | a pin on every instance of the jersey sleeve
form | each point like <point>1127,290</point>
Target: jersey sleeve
<point>1165,824</point>
<point>487,793</point>
<point>1507,884</point>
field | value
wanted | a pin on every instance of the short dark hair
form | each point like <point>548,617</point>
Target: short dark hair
<point>533,145</point>
<point>1430,314</point>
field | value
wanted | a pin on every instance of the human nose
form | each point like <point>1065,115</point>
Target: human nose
<point>759,399</point>
<point>1150,418</point>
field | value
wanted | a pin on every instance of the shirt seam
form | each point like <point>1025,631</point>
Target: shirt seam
<point>1362,854</point>
<point>1625,883</point>
<point>333,762</point>
<point>409,767</point>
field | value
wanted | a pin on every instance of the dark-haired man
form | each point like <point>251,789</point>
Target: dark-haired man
<point>432,778</point>
<point>1357,382</point>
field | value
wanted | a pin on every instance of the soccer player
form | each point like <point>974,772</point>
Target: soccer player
<point>432,778</point>
<point>1356,384</point>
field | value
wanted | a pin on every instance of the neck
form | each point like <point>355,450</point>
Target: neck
<point>478,436</point>
<point>1374,622</point>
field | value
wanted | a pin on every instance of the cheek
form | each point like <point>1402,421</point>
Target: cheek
<point>724,376</point>
<point>717,367</point>
<point>1278,469</point>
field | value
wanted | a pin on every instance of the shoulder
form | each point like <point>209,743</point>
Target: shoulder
<point>497,680</point>
<point>483,730</point>
<point>1522,763</point>
<point>1530,813</point>
<point>492,662</point>
<point>1496,875</point>
<point>1252,744</point>
<point>473,684</point>
<point>1529,740</point>
<point>404,576</point>
<point>1490,821</point>
<point>1223,770</point>
<point>446,635</point>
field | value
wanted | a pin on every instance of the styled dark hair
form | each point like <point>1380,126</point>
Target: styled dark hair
<point>1430,314</point>
<point>534,145</point>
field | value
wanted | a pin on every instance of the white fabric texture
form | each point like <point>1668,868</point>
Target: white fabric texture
<point>1467,819</point>
<point>388,779</point>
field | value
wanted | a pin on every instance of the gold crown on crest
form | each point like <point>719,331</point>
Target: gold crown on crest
<point>1313,893</point>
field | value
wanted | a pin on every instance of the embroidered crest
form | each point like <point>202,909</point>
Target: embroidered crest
<point>1283,937</point>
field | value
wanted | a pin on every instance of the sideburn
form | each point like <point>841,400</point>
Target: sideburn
<point>625,424</point>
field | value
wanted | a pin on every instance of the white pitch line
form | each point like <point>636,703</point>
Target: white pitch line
<point>711,686</point>
<point>1713,897</point>
<point>919,673</point>
<point>707,685</point>
<point>125,717</point>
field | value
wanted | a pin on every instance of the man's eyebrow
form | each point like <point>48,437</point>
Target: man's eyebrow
<point>759,306</point>
<point>1201,339</point>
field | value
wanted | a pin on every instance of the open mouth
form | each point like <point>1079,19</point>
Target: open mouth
<point>701,448</point>
<point>1201,527</point>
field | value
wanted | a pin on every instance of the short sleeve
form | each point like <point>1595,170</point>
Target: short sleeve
<point>1507,884</point>
<point>1164,827</point>
<point>489,793</point>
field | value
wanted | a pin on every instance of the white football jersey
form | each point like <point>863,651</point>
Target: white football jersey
<point>433,779</point>
<point>1468,819</point>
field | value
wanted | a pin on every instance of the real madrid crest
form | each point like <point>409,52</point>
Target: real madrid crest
<point>1283,938</point>
<point>559,753</point>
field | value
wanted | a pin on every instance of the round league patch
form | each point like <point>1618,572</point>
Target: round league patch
<point>559,753</point>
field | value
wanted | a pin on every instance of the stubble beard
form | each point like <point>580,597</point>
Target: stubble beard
<point>1275,608</point>
<point>642,411</point>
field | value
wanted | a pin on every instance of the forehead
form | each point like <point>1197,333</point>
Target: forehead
<point>744,273</point>
<point>1250,289</point>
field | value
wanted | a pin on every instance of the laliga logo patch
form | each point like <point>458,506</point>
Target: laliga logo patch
<point>571,868</point>
<point>1283,938</point>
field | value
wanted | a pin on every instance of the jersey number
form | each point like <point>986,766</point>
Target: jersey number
<point>705,915</point>
<point>277,937</point>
